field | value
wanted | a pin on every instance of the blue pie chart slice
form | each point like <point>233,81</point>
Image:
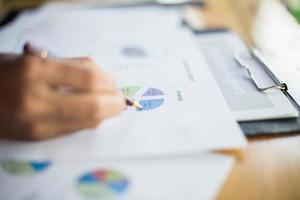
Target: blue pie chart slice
<point>150,104</point>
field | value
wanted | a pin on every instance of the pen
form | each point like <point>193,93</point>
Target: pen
<point>133,103</point>
<point>44,53</point>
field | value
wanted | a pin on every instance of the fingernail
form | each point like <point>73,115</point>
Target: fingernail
<point>26,47</point>
<point>29,48</point>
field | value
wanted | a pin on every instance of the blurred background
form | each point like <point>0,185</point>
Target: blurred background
<point>241,16</point>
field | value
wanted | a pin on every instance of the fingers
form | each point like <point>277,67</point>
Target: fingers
<point>76,117</point>
<point>74,113</point>
<point>87,107</point>
<point>99,98</point>
<point>40,112</point>
<point>81,74</point>
<point>70,114</point>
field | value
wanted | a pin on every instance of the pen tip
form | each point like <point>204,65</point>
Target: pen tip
<point>137,105</point>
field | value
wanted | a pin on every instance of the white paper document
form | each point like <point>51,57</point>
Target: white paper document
<point>193,178</point>
<point>280,43</point>
<point>243,97</point>
<point>160,68</point>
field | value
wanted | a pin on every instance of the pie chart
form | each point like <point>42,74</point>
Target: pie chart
<point>102,184</point>
<point>18,167</point>
<point>150,98</point>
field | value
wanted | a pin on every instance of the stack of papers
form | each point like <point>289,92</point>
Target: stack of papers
<point>155,61</point>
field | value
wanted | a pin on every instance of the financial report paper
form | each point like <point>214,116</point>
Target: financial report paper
<point>195,178</point>
<point>159,67</point>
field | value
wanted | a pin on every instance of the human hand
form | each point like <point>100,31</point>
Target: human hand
<point>43,98</point>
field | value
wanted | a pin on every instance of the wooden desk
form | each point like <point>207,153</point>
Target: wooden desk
<point>269,168</point>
